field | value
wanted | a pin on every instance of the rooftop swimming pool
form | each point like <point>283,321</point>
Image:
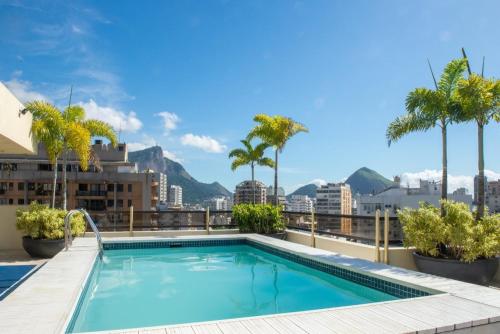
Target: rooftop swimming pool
<point>160,283</point>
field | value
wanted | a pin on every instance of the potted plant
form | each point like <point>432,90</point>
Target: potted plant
<point>265,219</point>
<point>43,229</point>
<point>453,245</point>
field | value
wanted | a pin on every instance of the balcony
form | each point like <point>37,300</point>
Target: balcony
<point>91,193</point>
<point>3,191</point>
<point>41,192</point>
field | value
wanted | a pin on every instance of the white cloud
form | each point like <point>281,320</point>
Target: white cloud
<point>146,142</point>
<point>23,90</point>
<point>170,120</point>
<point>454,181</point>
<point>172,156</point>
<point>206,143</point>
<point>119,120</point>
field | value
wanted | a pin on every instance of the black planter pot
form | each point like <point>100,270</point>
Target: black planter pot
<point>478,272</point>
<point>278,235</point>
<point>43,248</point>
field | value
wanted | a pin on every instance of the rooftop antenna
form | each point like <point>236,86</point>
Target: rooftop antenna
<point>432,72</point>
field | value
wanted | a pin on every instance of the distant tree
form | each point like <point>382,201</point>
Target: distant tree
<point>480,101</point>
<point>253,156</point>
<point>428,108</point>
<point>275,131</point>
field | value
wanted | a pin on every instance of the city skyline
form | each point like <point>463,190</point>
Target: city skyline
<point>190,76</point>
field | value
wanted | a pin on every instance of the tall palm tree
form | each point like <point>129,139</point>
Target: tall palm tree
<point>77,136</point>
<point>480,101</point>
<point>250,156</point>
<point>428,108</point>
<point>47,128</point>
<point>275,131</point>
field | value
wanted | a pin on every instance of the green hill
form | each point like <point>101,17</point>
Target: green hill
<point>308,189</point>
<point>193,191</point>
<point>367,181</point>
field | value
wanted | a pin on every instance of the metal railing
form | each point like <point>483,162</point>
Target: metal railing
<point>68,239</point>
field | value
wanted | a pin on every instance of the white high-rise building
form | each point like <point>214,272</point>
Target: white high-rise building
<point>218,204</point>
<point>493,196</point>
<point>175,196</point>
<point>162,186</point>
<point>248,192</point>
<point>300,203</point>
<point>334,198</point>
<point>397,197</point>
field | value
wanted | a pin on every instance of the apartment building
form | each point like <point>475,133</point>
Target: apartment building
<point>493,196</point>
<point>300,203</point>
<point>397,197</point>
<point>245,191</point>
<point>175,196</point>
<point>218,203</point>
<point>281,195</point>
<point>334,198</point>
<point>111,184</point>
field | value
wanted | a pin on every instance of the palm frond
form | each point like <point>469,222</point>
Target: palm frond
<point>238,162</point>
<point>238,153</point>
<point>266,162</point>
<point>452,73</point>
<point>403,125</point>
<point>99,128</point>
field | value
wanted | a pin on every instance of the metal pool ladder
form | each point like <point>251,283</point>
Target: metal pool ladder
<point>68,239</point>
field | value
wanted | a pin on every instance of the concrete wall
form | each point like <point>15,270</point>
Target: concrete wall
<point>165,234</point>
<point>15,135</point>
<point>10,237</point>
<point>398,256</point>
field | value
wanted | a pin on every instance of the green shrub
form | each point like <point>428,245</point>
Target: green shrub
<point>42,222</point>
<point>258,218</point>
<point>456,235</point>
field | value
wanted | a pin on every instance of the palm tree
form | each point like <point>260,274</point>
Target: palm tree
<point>250,156</point>
<point>428,108</point>
<point>275,131</point>
<point>47,128</point>
<point>77,135</point>
<point>480,101</point>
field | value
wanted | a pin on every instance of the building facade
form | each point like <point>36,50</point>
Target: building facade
<point>334,198</point>
<point>112,185</point>
<point>246,191</point>
<point>15,125</point>
<point>300,203</point>
<point>397,197</point>
<point>175,196</point>
<point>219,203</point>
<point>493,196</point>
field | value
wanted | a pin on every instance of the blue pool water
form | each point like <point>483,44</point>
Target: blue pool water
<point>11,276</point>
<point>149,287</point>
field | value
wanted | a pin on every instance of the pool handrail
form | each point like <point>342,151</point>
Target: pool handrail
<point>68,239</point>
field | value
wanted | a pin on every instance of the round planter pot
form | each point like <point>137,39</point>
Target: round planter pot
<point>43,248</point>
<point>478,272</point>
<point>278,235</point>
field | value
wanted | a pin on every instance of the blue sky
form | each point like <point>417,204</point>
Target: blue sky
<point>190,75</point>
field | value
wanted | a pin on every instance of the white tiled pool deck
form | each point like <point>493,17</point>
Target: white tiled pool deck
<point>45,303</point>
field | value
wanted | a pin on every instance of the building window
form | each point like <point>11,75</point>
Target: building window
<point>119,187</point>
<point>11,186</point>
<point>129,203</point>
<point>20,201</point>
<point>110,203</point>
<point>20,186</point>
<point>111,187</point>
<point>129,187</point>
<point>31,186</point>
<point>119,203</point>
<point>11,201</point>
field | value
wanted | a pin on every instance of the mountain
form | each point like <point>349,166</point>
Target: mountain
<point>363,181</point>
<point>367,181</point>
<point>193,191</point>
<point>308,189</point>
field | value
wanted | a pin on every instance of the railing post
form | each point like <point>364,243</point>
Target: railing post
<point>313,240</point>
<point>207,220</point>
<point>131,221</point>
<point>377,235</point>
<point>386,236</point>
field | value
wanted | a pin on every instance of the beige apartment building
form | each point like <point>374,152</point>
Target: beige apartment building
<point>244,192</point>
<point>334,198</point>
<point>114,185</point>
<point>493,196</point>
